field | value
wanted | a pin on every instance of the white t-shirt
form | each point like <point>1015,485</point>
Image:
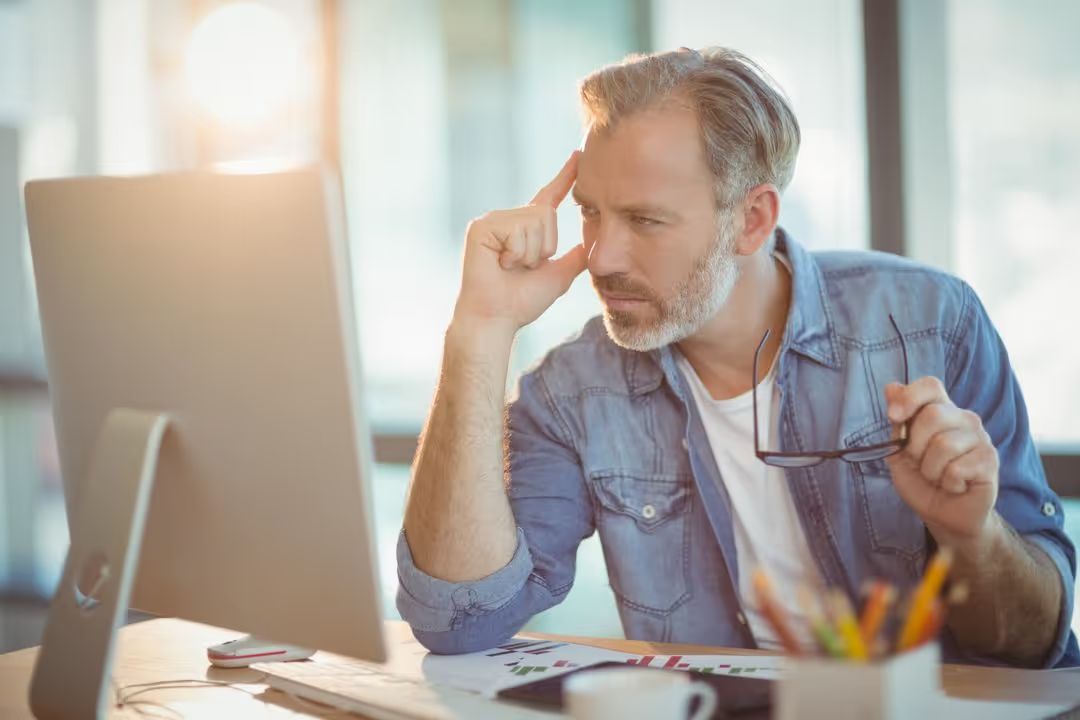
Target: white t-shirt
<point>768,533</point>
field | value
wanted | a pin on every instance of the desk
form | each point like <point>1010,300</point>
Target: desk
<point>167,649</point>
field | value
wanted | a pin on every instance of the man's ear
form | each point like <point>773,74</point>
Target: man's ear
<point>761,210</point>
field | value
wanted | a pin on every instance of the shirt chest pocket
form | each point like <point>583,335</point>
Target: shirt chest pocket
<point>891,526</point>
<point>644,526</point>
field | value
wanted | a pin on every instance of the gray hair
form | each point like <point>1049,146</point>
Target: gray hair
<point>749,133</point>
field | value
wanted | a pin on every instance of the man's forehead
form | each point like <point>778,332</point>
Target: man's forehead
<point>656,150</point>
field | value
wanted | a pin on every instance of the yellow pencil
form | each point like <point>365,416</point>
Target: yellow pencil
<point>847,626</point>
<point>923,599</point>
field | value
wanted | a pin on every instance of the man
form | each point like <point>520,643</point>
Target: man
<point>642,426</point>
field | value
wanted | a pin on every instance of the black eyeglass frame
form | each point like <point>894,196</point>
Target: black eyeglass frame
<point>812,458</point>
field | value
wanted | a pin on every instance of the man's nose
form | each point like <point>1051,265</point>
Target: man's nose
<point>609,248</point>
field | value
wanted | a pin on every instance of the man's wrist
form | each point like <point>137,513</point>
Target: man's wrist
<point>480,335</point>
<point>977,547</point>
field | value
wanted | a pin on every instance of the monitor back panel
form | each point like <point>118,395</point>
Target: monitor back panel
<point>223,301</point>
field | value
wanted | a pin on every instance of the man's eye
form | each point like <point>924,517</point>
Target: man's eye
<point>642,220</point>
<point>587,212</point>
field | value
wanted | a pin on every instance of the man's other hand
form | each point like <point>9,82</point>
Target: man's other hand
<point>948,473</point>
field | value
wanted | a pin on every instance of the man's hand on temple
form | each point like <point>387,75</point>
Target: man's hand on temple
<point>508,278</point>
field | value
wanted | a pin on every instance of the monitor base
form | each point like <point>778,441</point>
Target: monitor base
<point>74,666</point>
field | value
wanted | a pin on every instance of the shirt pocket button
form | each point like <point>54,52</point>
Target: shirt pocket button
<point>648,512</point>
<point>1048,509</point>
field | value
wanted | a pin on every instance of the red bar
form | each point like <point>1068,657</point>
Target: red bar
<point>672,661</point>
<point>646,660</point>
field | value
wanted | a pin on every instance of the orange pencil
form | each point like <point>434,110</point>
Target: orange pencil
<point>773,613</point>
<point>875,611</point>
<point>935,620</point>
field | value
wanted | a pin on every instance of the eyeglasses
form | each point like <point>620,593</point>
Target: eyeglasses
<point>816,457</point>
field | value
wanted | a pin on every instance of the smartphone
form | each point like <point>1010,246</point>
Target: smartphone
<point>736,697</point>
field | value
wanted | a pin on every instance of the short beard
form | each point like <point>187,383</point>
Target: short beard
<point>695,301</point>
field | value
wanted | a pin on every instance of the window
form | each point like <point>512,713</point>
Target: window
<point>37,136</point>
<point>1014,110</point>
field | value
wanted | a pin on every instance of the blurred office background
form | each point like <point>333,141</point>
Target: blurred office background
<point>946,131</point>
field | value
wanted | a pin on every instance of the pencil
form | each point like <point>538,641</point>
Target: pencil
<point>847,626</point>
<point>923,598</point>
<point>935,620</point>
<point>823,632</point>
<point>773,613</point>
<point>874,613</point>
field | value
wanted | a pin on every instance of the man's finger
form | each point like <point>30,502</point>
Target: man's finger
<point>929,421</point>
<point>553,193</point>
<point>534,245</point>
<point>906,400</point>
<point>964,471</point>
<point>551,235</point>
<point>567,267</point>
<point>513,248</point>
<point>944,448</point>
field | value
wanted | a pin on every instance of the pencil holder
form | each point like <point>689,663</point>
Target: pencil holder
<point>903,687</point>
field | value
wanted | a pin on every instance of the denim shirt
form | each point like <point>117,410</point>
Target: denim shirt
<point>608,439</point>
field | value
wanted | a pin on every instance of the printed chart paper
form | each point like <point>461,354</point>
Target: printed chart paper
<point>521,660</point>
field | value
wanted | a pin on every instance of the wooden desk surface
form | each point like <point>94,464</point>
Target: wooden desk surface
<point>169,649</point>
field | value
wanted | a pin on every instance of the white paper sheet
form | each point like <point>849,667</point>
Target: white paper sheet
<point>521,660</point>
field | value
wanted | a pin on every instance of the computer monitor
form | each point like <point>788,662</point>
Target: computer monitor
<point>201,325</point>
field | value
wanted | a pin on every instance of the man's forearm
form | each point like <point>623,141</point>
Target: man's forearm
<point>458,520</point>
<point>1015,598</point>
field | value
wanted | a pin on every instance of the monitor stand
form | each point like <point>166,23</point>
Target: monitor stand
<point>74,665</point>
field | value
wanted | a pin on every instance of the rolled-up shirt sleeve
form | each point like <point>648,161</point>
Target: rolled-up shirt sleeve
<point>980,378</point>
<point>553,512</point>
<point>1064,653</point>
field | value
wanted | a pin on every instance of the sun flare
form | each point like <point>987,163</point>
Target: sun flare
<point>242,63</point>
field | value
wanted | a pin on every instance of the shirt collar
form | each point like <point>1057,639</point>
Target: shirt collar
<point>809,330</point>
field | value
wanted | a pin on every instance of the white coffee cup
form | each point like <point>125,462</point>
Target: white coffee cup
<point>633,694</point>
